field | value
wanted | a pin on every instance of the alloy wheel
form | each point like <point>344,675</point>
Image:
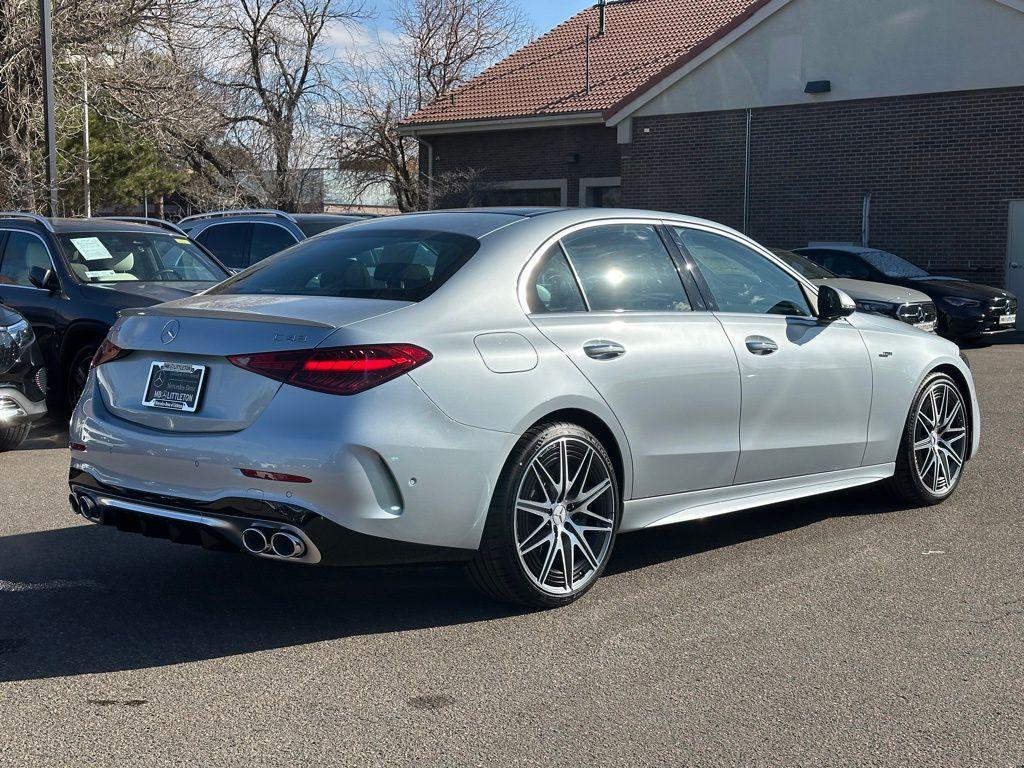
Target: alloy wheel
<point>940,438</point>
<point>565,516</point>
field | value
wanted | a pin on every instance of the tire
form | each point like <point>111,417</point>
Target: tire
<point>931,460</point>
<point>76,375</point>
<point>540,527</point>
<point>12,437</point>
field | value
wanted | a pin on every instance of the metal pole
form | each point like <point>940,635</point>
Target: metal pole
<point>746,177</point>
<point>46,46</point>
<point>87,179</point>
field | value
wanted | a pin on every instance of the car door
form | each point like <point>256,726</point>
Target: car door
<point>23,250</point>
<point>806,385</point>
<point>612,298</point>
<point>268,239</point>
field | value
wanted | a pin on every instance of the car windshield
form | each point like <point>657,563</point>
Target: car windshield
<point>114,257</point>
<point>891,265</point>
<point>803,265</point>
<point>312,227</point>
<point>407,265</point>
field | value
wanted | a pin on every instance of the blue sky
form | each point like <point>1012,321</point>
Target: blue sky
<point>548,13</point>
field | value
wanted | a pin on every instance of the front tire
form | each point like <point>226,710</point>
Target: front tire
<point>934,446</point>
<point>12,437</point>
<point>552,523</point>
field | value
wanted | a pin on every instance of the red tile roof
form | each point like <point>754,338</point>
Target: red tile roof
<point>644,40</point>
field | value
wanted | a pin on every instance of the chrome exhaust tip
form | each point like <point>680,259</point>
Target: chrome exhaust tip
<point>89,509</point>
<point>255,541</point>
<point>287,545</point>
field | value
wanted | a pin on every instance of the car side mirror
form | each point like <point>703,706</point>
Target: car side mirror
<point>834,304</point>
<point>45,278</point>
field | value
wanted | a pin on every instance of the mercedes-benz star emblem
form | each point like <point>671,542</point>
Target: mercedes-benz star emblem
<point>170,332</point>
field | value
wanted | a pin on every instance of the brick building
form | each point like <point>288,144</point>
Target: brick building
<point>899,122</point>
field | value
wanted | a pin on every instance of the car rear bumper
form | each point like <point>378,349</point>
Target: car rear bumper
<point>386,463</point>
<point>220,525</point>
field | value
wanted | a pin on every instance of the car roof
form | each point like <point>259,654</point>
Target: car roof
<point>327,217</point>
<point>61,225</point>
<point>841,247</point>
<point>478,222</point>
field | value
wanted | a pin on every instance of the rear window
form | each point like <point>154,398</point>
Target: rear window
<point>405,265</point>
<point>312,227</point>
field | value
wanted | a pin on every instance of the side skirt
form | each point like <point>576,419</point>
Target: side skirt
<point>694,505</point>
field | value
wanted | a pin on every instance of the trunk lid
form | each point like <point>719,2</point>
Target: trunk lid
<point>204,331</point>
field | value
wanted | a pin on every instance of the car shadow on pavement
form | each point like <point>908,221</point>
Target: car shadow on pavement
<point>87,599</point>
<point>46,433</point>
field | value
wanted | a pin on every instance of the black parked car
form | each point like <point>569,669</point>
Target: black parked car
<point>967,311</point>
<point>70,277</point>
<point>22,379</point>
<point>241,238</point>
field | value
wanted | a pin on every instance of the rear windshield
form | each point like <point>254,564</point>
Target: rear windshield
<point>407,265</point>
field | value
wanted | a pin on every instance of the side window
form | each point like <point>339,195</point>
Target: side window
<point>23,252</point>
<point>553,288</point>
<point>268,239</point>
<point>626,267</point>
<point>227,242</point>
<point>740,278</point>
<point>846,265</point>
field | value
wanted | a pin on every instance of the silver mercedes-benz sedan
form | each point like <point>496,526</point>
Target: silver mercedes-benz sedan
<point>506,388</point>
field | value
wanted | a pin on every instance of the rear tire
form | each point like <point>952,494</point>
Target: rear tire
<point>553,519</point>
<point>934,446</point>
<point>12,437</point>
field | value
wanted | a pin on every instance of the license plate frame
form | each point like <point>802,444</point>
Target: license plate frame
<point>176,392</point>
<point>1008,319</point>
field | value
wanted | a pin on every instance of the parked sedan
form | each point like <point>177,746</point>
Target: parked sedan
<point>22,379</point>
<point>966,311</point>
<point>241,238</point>
<point>69,277</point>
<point>510,389</point>
<point>906,304</point>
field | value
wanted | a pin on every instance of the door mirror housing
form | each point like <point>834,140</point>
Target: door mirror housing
<point>834,304</point>
<point>45,278</point>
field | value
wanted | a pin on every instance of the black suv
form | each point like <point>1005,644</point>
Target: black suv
<point>70,278</point>
<point>22,379</point>
<point>966,311</point>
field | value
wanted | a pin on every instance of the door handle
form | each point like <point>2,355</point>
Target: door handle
<point>761,345</point>
<point>602,349</point>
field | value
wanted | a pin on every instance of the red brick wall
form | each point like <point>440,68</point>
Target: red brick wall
<point>940,169</point>
<point>537,153</point>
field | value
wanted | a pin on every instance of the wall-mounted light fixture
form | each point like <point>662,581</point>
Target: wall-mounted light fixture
<point>818,86</point>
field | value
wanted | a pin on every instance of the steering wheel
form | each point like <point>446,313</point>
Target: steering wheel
<point>173,273</point>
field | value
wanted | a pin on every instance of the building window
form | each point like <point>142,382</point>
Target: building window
<point>540,192</point>
<point>605,192</point>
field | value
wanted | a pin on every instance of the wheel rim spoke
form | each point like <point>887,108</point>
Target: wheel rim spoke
<point>564,515</point>
<point>940,431</point>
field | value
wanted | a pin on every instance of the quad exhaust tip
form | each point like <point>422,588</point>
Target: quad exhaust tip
<point>287,545</point>
<point>255,541</point>
<point>279,544</point>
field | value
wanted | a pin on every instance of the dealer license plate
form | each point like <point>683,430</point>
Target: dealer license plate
<point>175,386</point>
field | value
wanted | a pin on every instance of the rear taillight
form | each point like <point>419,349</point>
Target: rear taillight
<point>336,370</point>
<point>108,351</point>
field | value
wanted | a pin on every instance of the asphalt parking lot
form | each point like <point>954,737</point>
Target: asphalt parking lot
<point>842,630</point>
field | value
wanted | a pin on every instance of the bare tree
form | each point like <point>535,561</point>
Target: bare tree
<point>438,45</point>
<point>275,71</point>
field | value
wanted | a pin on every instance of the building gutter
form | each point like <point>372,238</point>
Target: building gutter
<point>500,124</point>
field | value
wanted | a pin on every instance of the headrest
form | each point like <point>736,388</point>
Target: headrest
<point>402,275</point>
